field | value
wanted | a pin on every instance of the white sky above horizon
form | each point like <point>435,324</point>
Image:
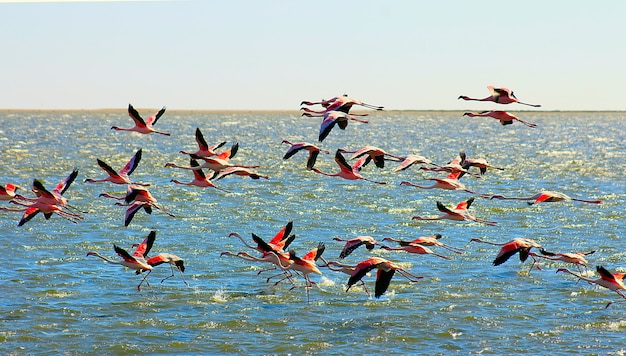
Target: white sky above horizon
<point>270,55</point>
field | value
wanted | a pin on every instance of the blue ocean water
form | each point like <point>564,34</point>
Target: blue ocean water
<point>55,299</point>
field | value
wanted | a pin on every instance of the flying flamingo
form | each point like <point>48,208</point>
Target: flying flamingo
<point>141,126</point>
<point>347,171</point>
<point>410,160</point>
<point>334,117</point>
<point>354,243</point>
<point>8,191</point>
<point>373,153</point>
<point>386,270</point>
<point>136,261</point>
<point>508,249</point>
<point>500,96</point>
<point>305,265</point>
<point>138,197</point>
<point>238,171</point>
<point>450,182</point>
<point>170,259</point>
<point>48,202</point>
<point>345,268</point>
<point>204,150</point>
<point>342,103</point>
<point>213,163</point>
<point>504,117</point>
<point>479,163</point>
<point>546,196</point>
<point>459,213</point>
<point>454,166</point>
<point>121,177</point>
<point>299,146</point>
<point>425,241</point>
<point>576,258</point>
<point>612,281</point>
<point>413,248</point>
<point>200,179</point>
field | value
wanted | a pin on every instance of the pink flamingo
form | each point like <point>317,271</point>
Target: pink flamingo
<point>508,249</point>
<point>425,241</point>
<point>213,163</point>
<point>373,153</point>
<point>546,196</point>
<point>342,103</point>
<point>413,248</point>
<point>500,96</point>
<point>238,171</point>
<point>141,126</point>
<point>204,150</point>
<point>121,177</point>
<point>612,281</point>
<point>347,171</point>
<point>450,182</point>
<point>136,261</point>
<point>136,198</point>
<point>576,258</point>
<point>479,163</point>
<point>459,213</point>
<point>354,243</point>
<point>299,146</point>
<point>386,270</point>
<point>305,265</point>
<point>504,117</point>
<point>48,202</point>
<point>410,160</point>
<point>8,191</point>
<point>199,178</point>
<point>334,117</point>
<point>344,268</point>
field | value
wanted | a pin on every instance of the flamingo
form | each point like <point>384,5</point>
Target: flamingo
<point>500,96</point>
<point>373,153</point>
<point>136,261</point>
<point>454,166</point>
<point>345,268</point>
<point>48,202</point>
<point>450,182</point>
<point>238,171</point>
<point>410,160</point>
<point>141,126</point>
<point>199,178</point>
<point>425,241</point>
<point>305,265</point>
<point>459,213</point>
<point>413,248</point>
<point>138,197</point>
<point>334,117</point>
<point>121,177</point>
<point>299,146</point>
<point>8,191</point>
<point>347,171</point>
<point>576,258</point>
<point>170,259</point>
<point>204,150</point>
<point>504,117</point>
<point>213,163</point>
<point>354,243</point>
<point>612,281</point>
<point>480,163</point>
<point>386,270</point>
<point>546,196</point>
<point>510,248</point>
<point>342,103</point>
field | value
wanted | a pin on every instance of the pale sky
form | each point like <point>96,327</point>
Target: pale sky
<point>266,55</point>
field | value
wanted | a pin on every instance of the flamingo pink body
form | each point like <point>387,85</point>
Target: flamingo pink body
<point>142,126</point>
<point>504,117</point>
<point>459,213</point>
<point>500,96</point>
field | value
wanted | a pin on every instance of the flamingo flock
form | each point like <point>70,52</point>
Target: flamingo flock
<point>288,264</point>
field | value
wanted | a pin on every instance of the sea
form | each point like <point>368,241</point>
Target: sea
<point>57,300</point>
